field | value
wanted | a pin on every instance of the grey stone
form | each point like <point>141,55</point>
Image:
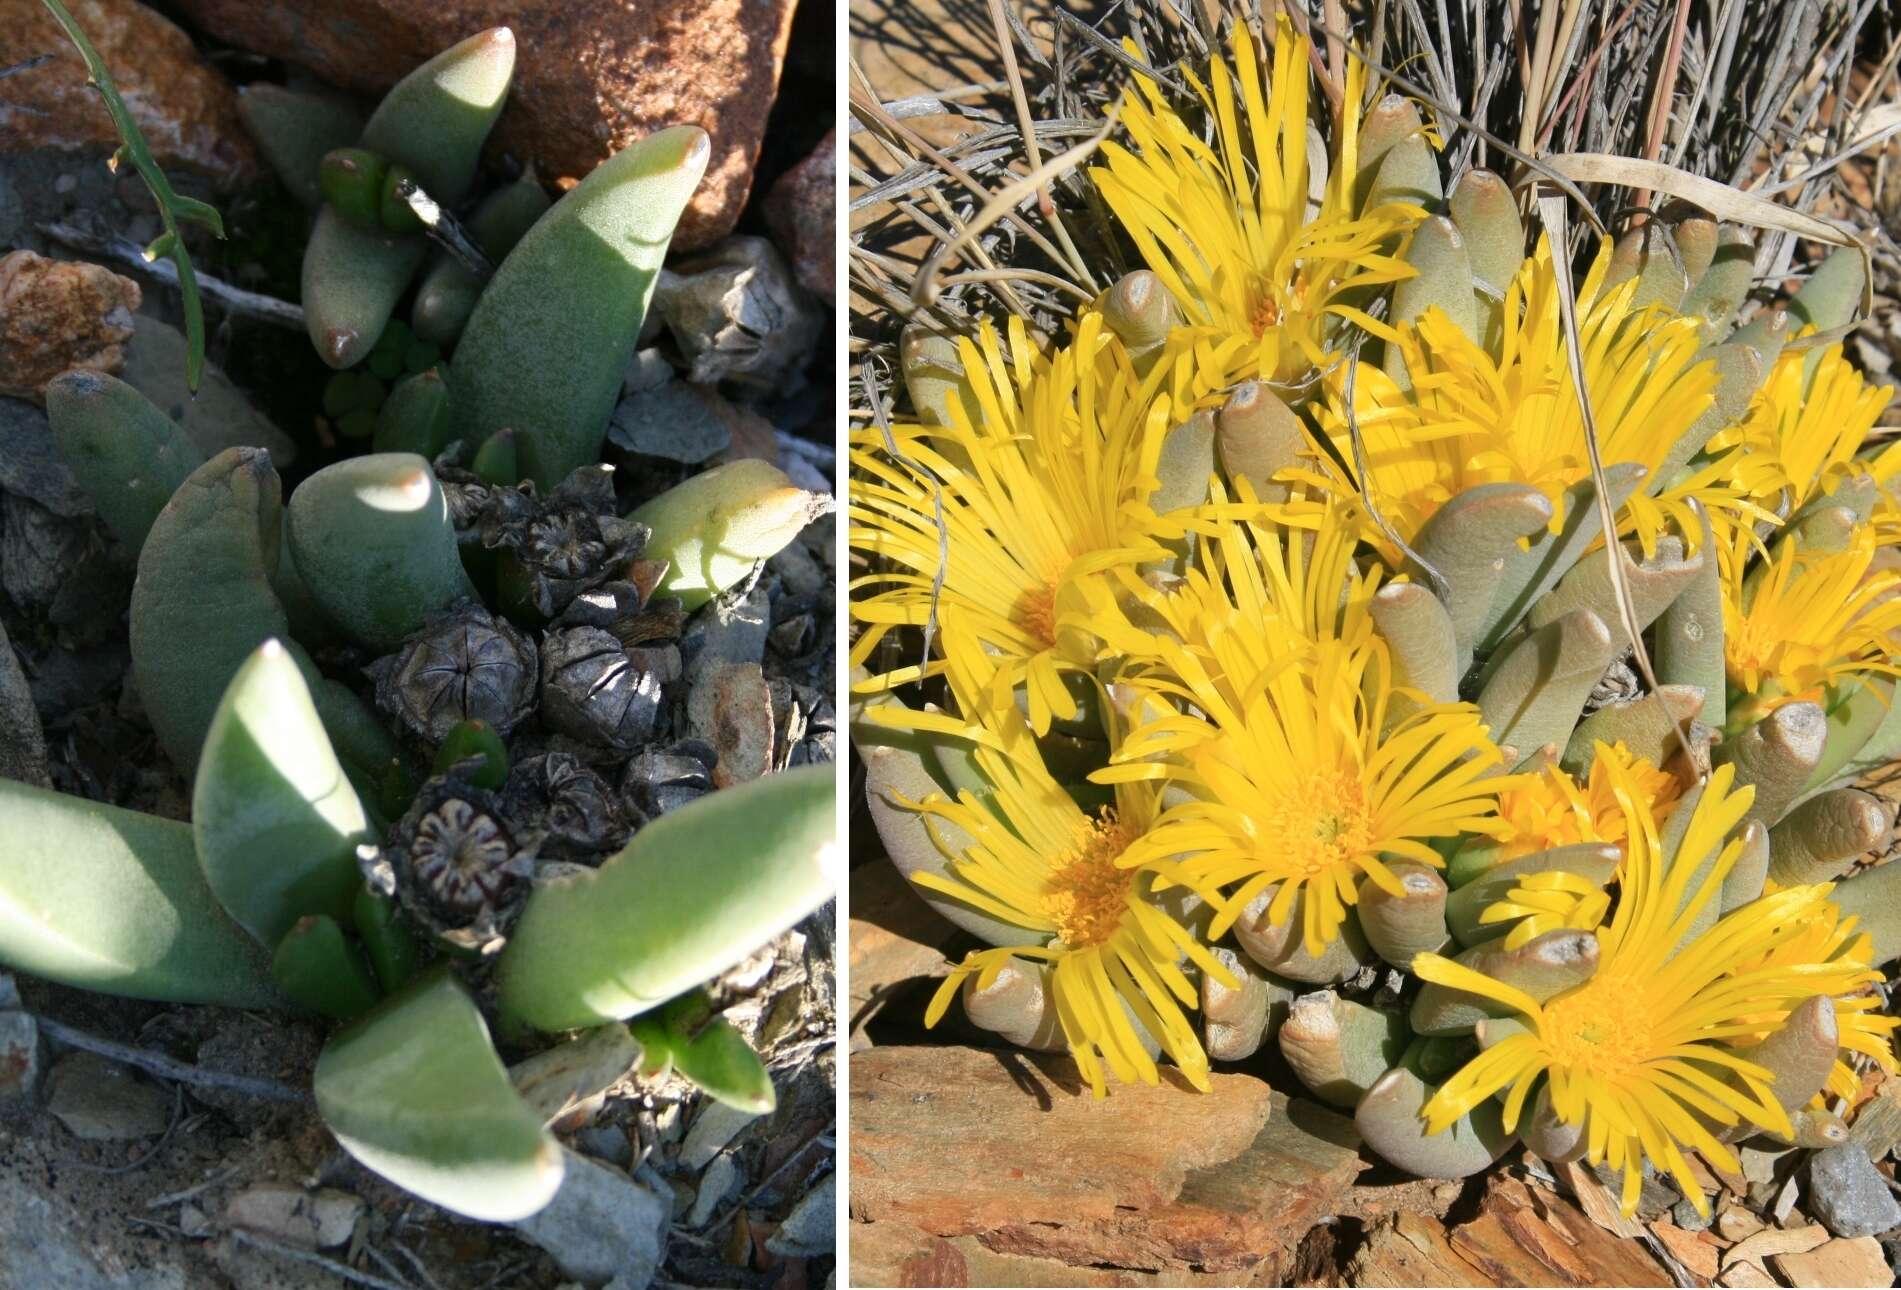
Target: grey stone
<point>603,1225</point>
<point>720,1181</point>
<point>811,1228</point>
<point>103,1101</point>
<point>19,1057</point>
<point>716,1125</point>
<point>47,1247</point>
<point>1684,1215</point>
<point>219,416</point>
<point>669,421</point>
<point>573,1074</point>
<point>1848,1194</point>
<point>22,739</point>
<point>605,1141</point>
<point>9,991</point>
<point>317,1220</point>
<point>30,464</point>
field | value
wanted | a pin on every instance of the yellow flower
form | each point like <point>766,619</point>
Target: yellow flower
<point>1043,483</point>
<point>1799,438</point>
<point>1623,795</point>
<point>1643,1055</point>
<point>1226,227</point>
<point>1827,937</point>
<point>1551,809</point>
<point>1295,777</point>
<point>1802,620</point>
<point>1037,861</point>
<point>1477,416</point>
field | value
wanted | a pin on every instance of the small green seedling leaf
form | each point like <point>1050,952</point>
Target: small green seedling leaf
<point>387,940</point>
<point>710,1054</point>
<point>471,739</point>
<point>319,966</point>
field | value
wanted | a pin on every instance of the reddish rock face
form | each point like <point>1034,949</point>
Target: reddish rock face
<point>186,111</point>
<point>802,212</point>
<point>592,75</point>
<point>1010,1149</point>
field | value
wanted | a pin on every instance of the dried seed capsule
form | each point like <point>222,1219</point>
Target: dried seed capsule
<point>577,813</point>
<point>657,781</point>
<point>460,856</point>
<point>465,663</point>
<point>591,689</point>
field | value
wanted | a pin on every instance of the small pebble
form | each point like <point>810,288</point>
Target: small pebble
<point>603,1225</point>
<point>1849,1195</point>
<point>1684,1215</point>
<point>721,1180</point>
<point>811,1228</point>
<point>104,1101</point>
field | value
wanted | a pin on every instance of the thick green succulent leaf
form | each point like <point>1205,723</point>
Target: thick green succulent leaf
<point>111,900</point>
<point>127,454</point>
<point>545,348</point>
<point>294,130</point>
<point>434,122</point>
<point>415,1092</point>
<point>693,893</point>
<point>203,600</point>
<point>713,528</point>
<point>276,821</point>
<point>372,538</point>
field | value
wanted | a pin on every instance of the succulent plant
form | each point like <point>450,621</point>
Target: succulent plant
<point>1521,830</point>
<point>467,835</point>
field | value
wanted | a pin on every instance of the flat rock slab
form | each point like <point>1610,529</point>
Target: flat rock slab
<point>1523,1237</point>
<point>1010,1148</point>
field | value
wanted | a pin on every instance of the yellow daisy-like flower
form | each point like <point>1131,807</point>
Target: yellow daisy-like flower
<point>1554,810</point>
<point>1800,437</point>
<point>1226,625</point>
<point>1829,938</point>
<point>1643,1055</point>
<point>1037,861</point>
<point>1284,741</point>
<point>1226,228</point>
<point>1042,484</point>
<point>1474,416</point>
<point>1551,809</point>
<point>1803,620</point>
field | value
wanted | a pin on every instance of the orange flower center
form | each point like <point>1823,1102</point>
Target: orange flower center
<point>1323,821</point>
<point>1600,1028</point>
<point>1086,895</point>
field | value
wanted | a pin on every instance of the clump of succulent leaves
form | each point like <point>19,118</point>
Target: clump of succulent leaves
<point>503,827</point>
<point>1294,686</point>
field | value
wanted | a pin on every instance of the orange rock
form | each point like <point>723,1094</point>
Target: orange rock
<point>56,315</point>
<point>1012,1149</point>
<point>592,75</point>
<point>186,111</point>
<point>1523,1237</point>
<point>802,212</point>
<point>1410,1249</point>
<point>1841,1262</point>
<point>894,938</point>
